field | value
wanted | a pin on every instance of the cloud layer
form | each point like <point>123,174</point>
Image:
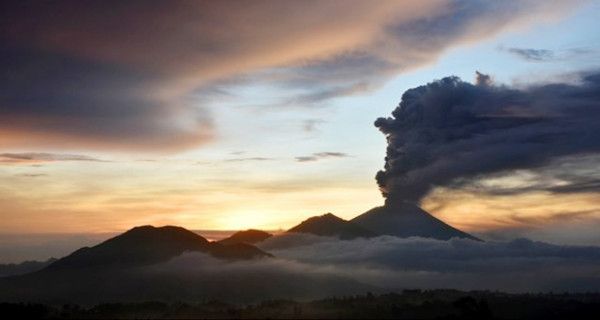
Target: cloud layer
<point>129,76</point>
<point>312,267</point>
<point>393,263</point>
<point>309,267</point>
<point>449,132</point>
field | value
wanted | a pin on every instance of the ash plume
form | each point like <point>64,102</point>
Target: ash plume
<point>450,132</point>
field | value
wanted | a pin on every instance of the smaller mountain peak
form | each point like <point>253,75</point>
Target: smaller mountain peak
<point>250,236</point>
<point>331,225</point>
<point>151,228</point>
<point>144,227</point>
<point>152,234</point>
<point>140,229</point>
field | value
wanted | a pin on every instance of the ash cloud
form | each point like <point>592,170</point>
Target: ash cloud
<point>450,132</point>
<point>578,174</point>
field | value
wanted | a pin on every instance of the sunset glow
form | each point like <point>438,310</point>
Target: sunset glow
<point>271,130</point>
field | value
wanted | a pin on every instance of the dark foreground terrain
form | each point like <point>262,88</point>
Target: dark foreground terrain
<point>410,304</point>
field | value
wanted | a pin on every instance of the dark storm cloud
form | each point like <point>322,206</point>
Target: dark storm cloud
<point>448,132</point>
<point>321,155</point>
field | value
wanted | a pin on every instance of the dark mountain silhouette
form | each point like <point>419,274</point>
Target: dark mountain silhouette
<point>147,245</point>
<point>331,225</point>
<point>250,236</point>
<point>137,266</point>
<point>13,269</point>
<point>407,220</point>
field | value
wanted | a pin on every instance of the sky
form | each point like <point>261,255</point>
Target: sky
<point>233,115</point>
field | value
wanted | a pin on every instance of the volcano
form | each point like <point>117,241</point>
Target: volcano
<point>406,219</point>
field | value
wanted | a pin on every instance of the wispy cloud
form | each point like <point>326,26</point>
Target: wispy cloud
<point>32,175</point>
<point>37,157</point>
<point>321,155</point>
<point>532,54</point>
<point>311,125</point>
<point>249,159</point>
<point>546,55</point>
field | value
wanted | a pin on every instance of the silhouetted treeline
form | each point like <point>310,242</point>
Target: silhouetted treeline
<point>410,304</point>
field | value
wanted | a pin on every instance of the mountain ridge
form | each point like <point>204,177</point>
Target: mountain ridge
<point>331,225</point>
<point>250,236</point>
<point>147,245</point>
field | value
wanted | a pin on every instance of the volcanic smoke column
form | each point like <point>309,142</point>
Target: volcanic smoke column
<point>449,132</point>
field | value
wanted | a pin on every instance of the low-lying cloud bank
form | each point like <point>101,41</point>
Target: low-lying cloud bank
<point>309,266</point>
<point>312,267</point>
<point>390,262</point>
